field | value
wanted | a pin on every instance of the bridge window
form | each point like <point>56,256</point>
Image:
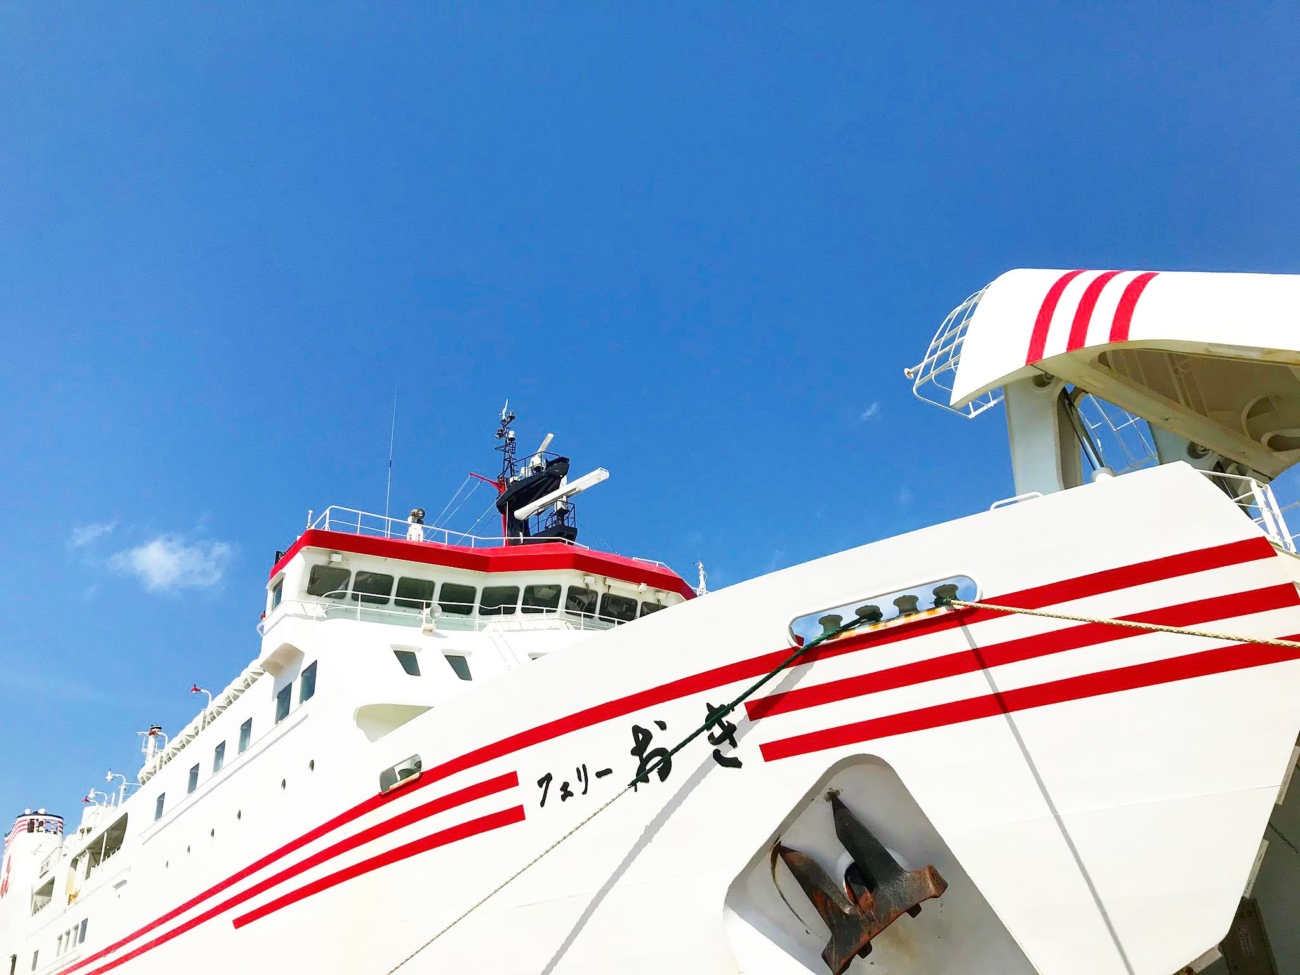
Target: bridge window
<point>540,599</point>
<point>460,664</point>
<point>414,593</point>
<point>307,683</point>
<point>581,601</point>
<point>81,938</point>
<point>282,703</point>
<point>498,601</point>
<point>372,587</point>
<point>245,735</point>
<point>277,594</point>
<point>457,599</point>
<point>328,580</point>
<point>158,806</point>
<point>617,609</point>
<point>194,780</point>
<point>648,608</point>
<point>218,757</point>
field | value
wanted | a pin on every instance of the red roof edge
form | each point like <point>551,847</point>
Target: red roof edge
<point>512,558</point>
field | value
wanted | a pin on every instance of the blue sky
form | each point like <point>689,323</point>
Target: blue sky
<point>699,242</point>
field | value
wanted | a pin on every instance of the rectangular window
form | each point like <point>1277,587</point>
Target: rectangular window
<point>307,683</point>
<point>194,780</point>
<point>328,580</point>
<point>81,938</point>
<point>541,599</point>
<point>218,757</point>
<point>245,735</point>
<point>282,703</point>
<point>581,602</point>
<point>158,806</point>
<point>460,665</point>
<point>414,593</point>
<point>277,594</point>
<point>498,601</point>
<point>456,599</point>
<point>410,663</point>
<point>372,587</point>
<point>35,954</point>
<point>648,608</point>
<point>618,609</point>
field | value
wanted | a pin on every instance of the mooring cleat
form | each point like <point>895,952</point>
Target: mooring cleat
<point>876,892</point>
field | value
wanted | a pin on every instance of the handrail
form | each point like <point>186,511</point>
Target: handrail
<point>353,521</point>
<point>1260,504</point>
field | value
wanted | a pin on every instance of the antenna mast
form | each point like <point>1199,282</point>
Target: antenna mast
<point>392,432</point>
<point>703,588</point>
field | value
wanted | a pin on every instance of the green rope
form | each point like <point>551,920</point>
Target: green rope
<point>714,719</point>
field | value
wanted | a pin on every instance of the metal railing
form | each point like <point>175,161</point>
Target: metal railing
<point>933,377</point>
<point>1258,501</point>
<point>338,608</point>
<point>351,521</point>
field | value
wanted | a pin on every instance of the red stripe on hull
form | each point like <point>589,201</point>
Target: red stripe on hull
<point>1043,323</point>
<point>443,837</point>
<point>441,804</point>
<point>1240,656</point>
<point>1025,648</point>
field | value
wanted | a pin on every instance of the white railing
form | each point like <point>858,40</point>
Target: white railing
<point>326,608</point>
<point>933,377</point>
<point>351,521</point>
<point>1259,503</point>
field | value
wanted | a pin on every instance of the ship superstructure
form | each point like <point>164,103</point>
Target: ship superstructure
<point>1054,736</point>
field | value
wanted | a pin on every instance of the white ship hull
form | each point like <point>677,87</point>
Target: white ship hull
<point>1095,798</point>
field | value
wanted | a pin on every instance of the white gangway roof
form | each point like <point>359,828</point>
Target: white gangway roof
<point>1214,357</point>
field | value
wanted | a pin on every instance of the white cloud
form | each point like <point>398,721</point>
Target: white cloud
<point>168,562</point>
<point>872,412</point>
<point>83,535</point>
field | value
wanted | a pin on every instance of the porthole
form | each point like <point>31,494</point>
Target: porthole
<point>187,849</point>
<point>311,766</point>
<point>239,814</point>
<point>212,833</point>
<point>167,864</point>
<point>283,783</point>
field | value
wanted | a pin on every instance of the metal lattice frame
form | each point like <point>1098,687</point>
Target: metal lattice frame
<point>933,377</point>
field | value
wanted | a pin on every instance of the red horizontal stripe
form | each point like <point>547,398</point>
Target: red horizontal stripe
<point>465,830</point>
<point>414,815</point>
<point>552,556</point>
<point>1119,326</point>
<point>1026,648</point>
<point>1083,314</point>
<point>1239,656</point>
<point>1043,323</point>
<point>1096,583</point>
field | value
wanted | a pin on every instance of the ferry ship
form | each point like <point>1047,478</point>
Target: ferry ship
<point>1055,736</point>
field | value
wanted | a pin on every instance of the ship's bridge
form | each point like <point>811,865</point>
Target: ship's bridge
<point>350,564</point>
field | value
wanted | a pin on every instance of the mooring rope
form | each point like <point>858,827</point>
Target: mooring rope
<point>1128,624</point>
<point>717,716</point>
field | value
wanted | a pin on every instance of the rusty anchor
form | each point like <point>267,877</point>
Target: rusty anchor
<point>877,891</point>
